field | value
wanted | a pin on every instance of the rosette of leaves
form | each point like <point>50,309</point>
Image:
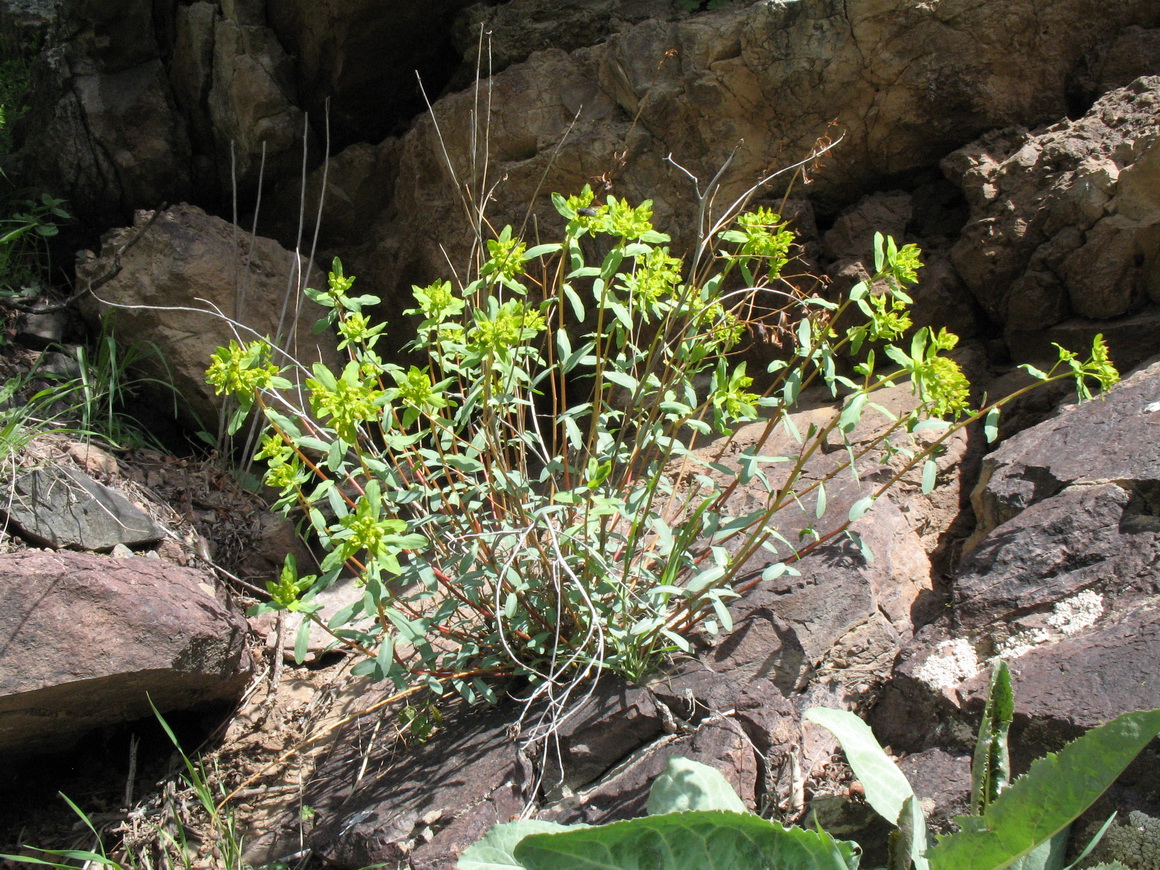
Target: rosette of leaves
<point>529,500</point>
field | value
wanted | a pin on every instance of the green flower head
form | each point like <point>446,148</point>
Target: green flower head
<point>507,327</point>
<point>506,256</point>
<point>241,371</point>
<point>438,301</point>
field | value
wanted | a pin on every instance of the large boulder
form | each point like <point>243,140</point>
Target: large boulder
<point>188,283</point>
<point>90,641</point>
<point>1065,223</point>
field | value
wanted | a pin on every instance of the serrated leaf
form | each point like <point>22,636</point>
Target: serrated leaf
<point>705,840</point>
<point>1056,790</point>
<point>991,764</point>
<point>689,785</point>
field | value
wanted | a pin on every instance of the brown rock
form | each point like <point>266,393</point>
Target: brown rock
<point>182,281</point>
<point>90,640</point>
<point>1110,440</point>
<point>1054,231</point>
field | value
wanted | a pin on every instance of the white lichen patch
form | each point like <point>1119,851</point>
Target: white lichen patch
<point>1068,617</point>
<point>1077,613</point>
<point>952,662</point>
<point>1135,845</point>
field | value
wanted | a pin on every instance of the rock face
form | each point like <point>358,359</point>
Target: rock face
<point>1064,221</point>
<point>1064,584</point>
<point>89,640</point>
<point>761,82</point>
<point>183,276</point>
<point>139,103</point>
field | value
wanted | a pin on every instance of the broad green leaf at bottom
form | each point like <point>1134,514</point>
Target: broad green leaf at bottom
<point>703,840</point>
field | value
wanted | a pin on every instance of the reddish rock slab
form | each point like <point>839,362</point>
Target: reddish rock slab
<point>1117,439</point>
<point>87,641</point>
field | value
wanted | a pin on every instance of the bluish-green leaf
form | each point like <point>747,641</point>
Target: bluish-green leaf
<point>886,788</point>
<point>705,840</point>
<point>302,642</point>
<point>689,785</point>
<point>860,507</point>
<point>852,413</point>
<point>991,426</point>
<point>929,476</point>
<point>494,851</point>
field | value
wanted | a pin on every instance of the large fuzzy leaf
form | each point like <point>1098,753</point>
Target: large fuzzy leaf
<point>709,840</point>
<point>1048,797</point>
<point>494,851</point>
<point>689,785</point>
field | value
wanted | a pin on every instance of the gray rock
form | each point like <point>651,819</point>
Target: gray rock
<point>62,507</point>
<point>88,641</point>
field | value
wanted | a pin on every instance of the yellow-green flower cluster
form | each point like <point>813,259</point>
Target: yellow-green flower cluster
<point>622,220</point>
<point>906,264</point>
<point>414,388</point>
<point>348,401</point>
<point>241,371</point>
<point>945,387</point>
<point>438,301</point>
<point>512,324</point>
<point>655,277</point>
<point>356,328</point>
<point>889,318</point>
<point>506,256</point>
<point>723,329</point>
<point>762,233</point>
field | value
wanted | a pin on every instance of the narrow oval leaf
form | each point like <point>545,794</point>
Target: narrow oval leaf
<point>929,476</point>
<point>991,425</point>
<point>860,507</point>
<point>886,788</point>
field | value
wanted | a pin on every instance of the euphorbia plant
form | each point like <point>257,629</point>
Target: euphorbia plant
<point>511,504</point>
